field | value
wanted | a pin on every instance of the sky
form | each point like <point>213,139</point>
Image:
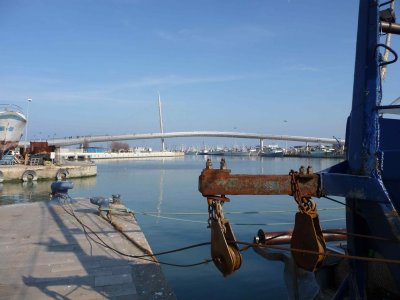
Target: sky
<point>94,67</point>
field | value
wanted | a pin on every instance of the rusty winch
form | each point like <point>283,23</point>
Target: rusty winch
<point>307,241</point>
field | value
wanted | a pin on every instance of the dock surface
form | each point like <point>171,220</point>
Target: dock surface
<point>46,254</point>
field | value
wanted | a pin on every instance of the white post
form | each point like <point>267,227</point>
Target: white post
<point>27,122</point>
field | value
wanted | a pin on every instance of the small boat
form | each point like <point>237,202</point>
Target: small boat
<point>319,151</point>
<point>237,152</point>
<point>272,151</point>
<point>12,125</point>
<point>254,151</point>
<point>203,152</point>
<point>216,151</point>
<point>191,152</point>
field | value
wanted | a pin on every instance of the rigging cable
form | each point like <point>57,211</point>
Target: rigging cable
<point>344,256</point>
<point>337,201</point>
<point>238,224</point>
<point>238,212</point>
<point>247,246</point>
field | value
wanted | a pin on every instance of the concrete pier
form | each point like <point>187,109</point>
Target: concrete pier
<point>43,172</point>
<point>46,254</point>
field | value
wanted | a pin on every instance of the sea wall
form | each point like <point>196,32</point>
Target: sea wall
<point>48,172</point>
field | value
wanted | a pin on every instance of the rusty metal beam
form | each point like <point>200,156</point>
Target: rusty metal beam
<point>221,182</point>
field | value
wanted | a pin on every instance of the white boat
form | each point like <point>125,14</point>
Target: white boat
<point>12,125</point>
<point>203,152</point>
<point>272,151</point>
<point>321,151</point>
<point>254,151</point>
<point>191,151</point>
<point>216,151</point>
<point>235,151</point>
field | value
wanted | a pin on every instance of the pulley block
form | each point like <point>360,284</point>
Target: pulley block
<point>224,252</point>
<point>307,235</point>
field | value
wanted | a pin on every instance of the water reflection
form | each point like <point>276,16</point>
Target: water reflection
<point>22,192</point>
<point>86,182</point>
<point>161,194</point>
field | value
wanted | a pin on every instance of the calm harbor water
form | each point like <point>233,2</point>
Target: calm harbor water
<point>159,189</point>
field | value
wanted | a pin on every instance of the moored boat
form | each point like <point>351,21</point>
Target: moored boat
<point>203,152</point>
<point>272,151</point>
<point>12,125</point>
<point>216,151</point>
<point>237,152</point>
<point>320,151</point>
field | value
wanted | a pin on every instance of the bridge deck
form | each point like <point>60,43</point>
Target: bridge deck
<point>225,134</point>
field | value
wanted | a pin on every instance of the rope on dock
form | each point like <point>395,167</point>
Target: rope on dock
<point>70,211</point>
<point>109,219</point>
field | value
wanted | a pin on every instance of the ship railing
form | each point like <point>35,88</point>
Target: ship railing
<point>11,107</point>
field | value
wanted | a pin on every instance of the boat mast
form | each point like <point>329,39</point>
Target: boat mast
<point>161,122</point>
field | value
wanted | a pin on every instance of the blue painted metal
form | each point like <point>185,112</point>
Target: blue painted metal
<point>363,132</point>
<point>61,187</point>
<point>369,178</point>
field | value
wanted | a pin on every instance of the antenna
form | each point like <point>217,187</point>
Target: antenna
<point>161,122</point>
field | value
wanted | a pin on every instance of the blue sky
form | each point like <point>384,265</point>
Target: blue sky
<point>96,66</point>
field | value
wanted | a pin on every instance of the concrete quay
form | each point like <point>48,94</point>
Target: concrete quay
<point>46,254</point>
<point>50,172</point>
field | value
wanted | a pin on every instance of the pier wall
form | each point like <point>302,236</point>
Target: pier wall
<point>50,172</point>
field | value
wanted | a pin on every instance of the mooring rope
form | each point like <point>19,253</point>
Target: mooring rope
<point>334,254</point>
<point>101,242</point>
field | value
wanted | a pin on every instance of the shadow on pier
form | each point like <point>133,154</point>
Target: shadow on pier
<point>47,253</point>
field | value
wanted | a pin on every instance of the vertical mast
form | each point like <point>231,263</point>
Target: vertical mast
<point>161,122</point>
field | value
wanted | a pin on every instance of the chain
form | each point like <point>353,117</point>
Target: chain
<point>215,211</point>
<point>295,186</point>
<point>305,204</point>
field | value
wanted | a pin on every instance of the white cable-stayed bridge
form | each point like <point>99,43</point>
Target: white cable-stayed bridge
<point>68,141</point>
